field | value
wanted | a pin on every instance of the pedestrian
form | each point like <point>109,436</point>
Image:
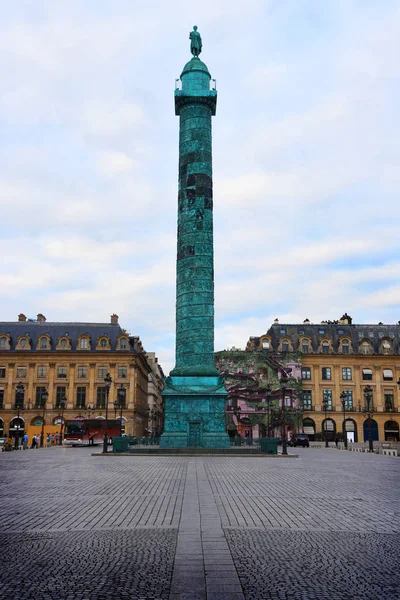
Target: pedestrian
<point>337,441</point>
<point>48,441</point>
<point>57,438</point>
<point>25,442</point>
<point>52,440</point>
<point>33,442</point>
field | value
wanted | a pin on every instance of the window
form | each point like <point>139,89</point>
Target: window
<point>340,331</point>
<point>306,373</point>
<point>321,331</point>
<point>386,347</point>
<point>307,399</point>
<point>326,373</point>
<point>121,398</point>
<point>349,399</point>
<point>42,372</point>
<point>301,331</point>
<point>371,334</point>
<point>83,343</point>
<point>2,372</point>
<point>3,342</point>
<point>19,398</point>
<point>101,372</point>
<point>64,343</point>
<point>367,374</point>
<point>389,401</point>
<point>285,346</point>
<point>387,375</point>
<point>361,335</point>
<point>365,348</point>
<point>101,397</point>
<point>40,390</point>
<point>122,372</point>
<point>346,374</point>
<point>288,401</point>
<point>325,347</point>
<point>23,343</point>
<point>265,344</point>
<point>1,399</point>
<point>123,343</point>
<point>327,397</point>
<point>103,343</point>
<point>43,342</point>
<point>21,372</point>
<point>345,346</point>
<point>82,372</point>
<point>283,331</point>
<point>61,393</point>
<point>305,346</point>
<point>62,372</point>
<point>80,397</point>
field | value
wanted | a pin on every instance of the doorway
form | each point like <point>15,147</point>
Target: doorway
<point>194,435</point>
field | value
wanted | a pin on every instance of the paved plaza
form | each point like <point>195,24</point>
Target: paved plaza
<point>324,526</point>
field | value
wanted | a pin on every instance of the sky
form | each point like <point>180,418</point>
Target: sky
<point>306,151</point>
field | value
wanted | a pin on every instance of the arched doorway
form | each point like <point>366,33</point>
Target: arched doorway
<point>309,428</point>
<point>17,427</point>
<point>329,430</point>
<point>1,428</point>
<point>391,431</point>
<point>374,430</point>
<point>351,430</point>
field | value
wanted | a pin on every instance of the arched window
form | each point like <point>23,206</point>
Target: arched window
<point>123,344</point>
<point>386,347</point>
<point>365,347</point>
<point>305,346</point>
<point>84,343</point>
<point>325,347</point>
<point>3,342</point>
<point>309,428</point>
<point>345,347</point>
<point>44,343</point>
<point>391,431</point>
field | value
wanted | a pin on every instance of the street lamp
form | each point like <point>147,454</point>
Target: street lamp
<point>343,400</point>
<point>283,383</point>
<point>121,400</point>
<point>63,406</point>
<point>20,391</point>
<point>107,381</point>
<point>369,410</point>
<point>325,402</point>
<point>43,398</point>
<point>268,400</point>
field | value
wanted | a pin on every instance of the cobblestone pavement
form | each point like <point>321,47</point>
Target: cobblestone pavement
<point>75,526</point>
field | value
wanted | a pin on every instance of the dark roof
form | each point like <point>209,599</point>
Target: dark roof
<point>34,329</point>
<point>335,331</point>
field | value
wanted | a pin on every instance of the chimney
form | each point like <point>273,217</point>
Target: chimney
<point>41,318</point>
<point>21,317</point>
<point>114,319</point>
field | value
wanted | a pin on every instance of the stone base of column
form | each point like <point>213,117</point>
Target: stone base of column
<point>194,413</point>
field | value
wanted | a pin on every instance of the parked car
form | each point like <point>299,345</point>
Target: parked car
<point>300,439</point>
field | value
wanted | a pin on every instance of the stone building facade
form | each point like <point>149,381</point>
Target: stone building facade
<point>68,362</point>
<point>336,357</point>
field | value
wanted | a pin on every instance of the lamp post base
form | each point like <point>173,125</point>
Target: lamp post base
<point>105,444</point>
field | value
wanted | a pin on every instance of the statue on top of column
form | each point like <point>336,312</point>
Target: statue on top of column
<point>196,44</point>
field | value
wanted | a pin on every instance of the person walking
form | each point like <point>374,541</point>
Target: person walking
<point>57,438</point>
<point>33,442</point>
<point>48,440</point>
<point>337,441</point>
<point>25,442</point>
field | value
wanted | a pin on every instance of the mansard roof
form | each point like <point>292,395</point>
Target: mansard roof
<point>333,331</point>
<point>35,329</point>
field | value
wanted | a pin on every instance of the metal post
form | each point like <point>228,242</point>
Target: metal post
<point>325,407</point>
<point>63,405</point>
<point>369,410</point>
<point>121,400</point>
<point>16,438</point>
<point>43,398</point>
<point>343,399</point>
<point>283,388</point>
<point>107,381</point>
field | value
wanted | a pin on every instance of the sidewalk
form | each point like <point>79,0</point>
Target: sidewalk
<point>77,527</point>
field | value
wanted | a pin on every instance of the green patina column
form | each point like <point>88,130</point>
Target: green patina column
<point>194,392</point>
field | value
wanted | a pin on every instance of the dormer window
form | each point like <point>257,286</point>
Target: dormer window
<point>23,343</point>
<point>63,343</point>
<point>325,347</point>
<point>365,347</point>
<point>84,343</point>
<point>3,342</point>
<point>386,347</point>
<point>103,343</point>
<point>285,346</point>
<point>345,347</point>
<point>305,346</point>
<point>265,344</point>
<point>43,343</point>
<point>123,344</point>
